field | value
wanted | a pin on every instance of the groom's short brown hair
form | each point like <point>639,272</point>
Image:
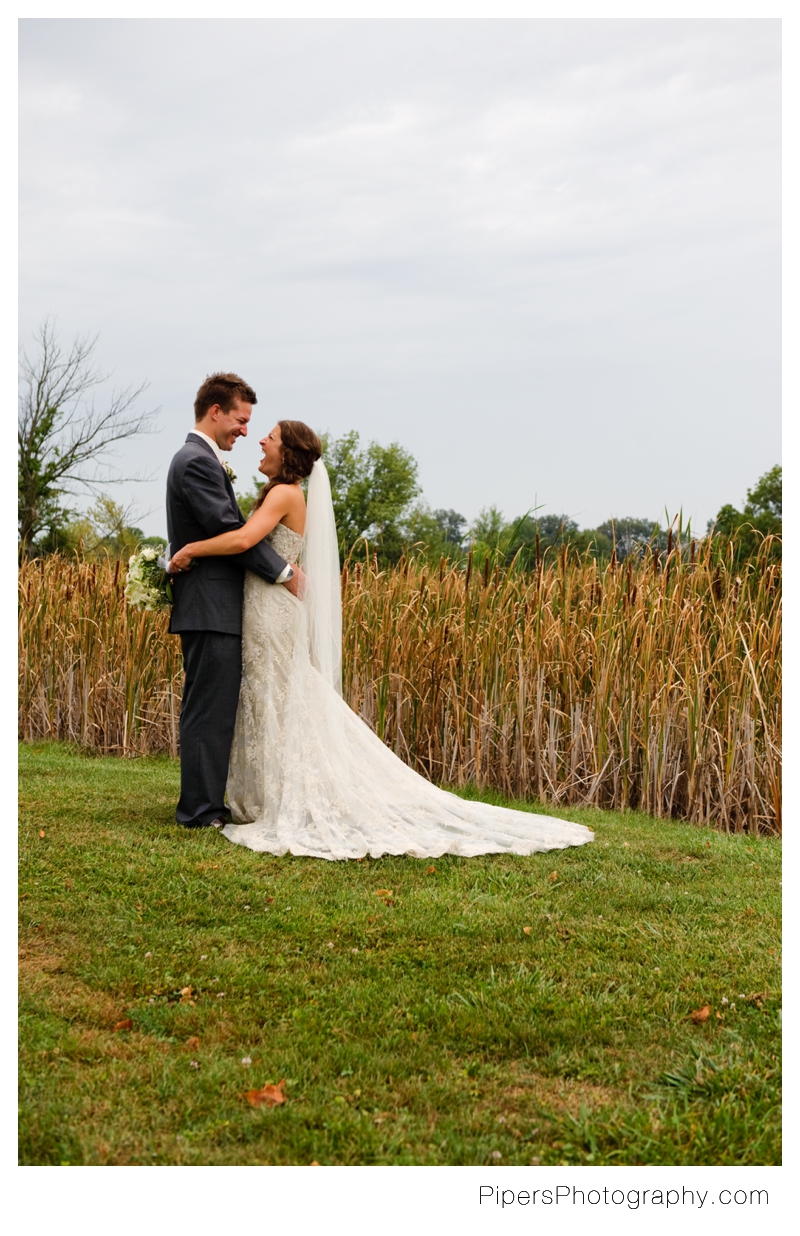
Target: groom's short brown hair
<point>226,389</point>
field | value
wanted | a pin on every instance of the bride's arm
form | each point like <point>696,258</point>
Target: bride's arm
<point>272,510</point>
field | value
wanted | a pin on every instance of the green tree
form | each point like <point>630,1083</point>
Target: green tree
<point>488,533</point>
<point>553,531</point>
<point>62,437</point>
<point>434,535</point>
<point>247,500</point>
<point>110,530</point>
<point>765,499</point>
<point>521,538</point>
<point>452,527</point>
<point>532,535</point>
<point>762,515</point>
<point>105,528</point>
<point>372,487</point>
<point>630,536</point>
<point>593,541</point>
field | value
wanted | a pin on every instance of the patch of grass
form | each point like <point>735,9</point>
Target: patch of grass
<point>426,1026</point>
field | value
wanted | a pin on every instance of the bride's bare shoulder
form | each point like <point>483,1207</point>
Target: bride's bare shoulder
<point>294,497</point>
<point>295,504</point>
<point>284,494</point>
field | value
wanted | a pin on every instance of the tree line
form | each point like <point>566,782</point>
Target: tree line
<point>64,444</point>
<point>380,512</point>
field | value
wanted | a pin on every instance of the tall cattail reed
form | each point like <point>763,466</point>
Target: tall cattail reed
<point>646,687</point>
<point>93,670</point>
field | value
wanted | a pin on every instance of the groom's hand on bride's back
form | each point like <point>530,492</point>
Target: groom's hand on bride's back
<point>297,584</point>
<point>181,561</point>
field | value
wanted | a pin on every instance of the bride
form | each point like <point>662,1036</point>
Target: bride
<point>306,774</point>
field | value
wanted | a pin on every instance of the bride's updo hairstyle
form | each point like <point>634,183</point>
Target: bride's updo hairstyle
<point>300,450</point>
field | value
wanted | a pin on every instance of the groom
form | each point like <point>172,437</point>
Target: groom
<point>207,606</point>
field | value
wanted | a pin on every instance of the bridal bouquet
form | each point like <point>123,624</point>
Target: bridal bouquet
<point>147,584</point>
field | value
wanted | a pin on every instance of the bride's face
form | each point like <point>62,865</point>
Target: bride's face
<point>273,452</point>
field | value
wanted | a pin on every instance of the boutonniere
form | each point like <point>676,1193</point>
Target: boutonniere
<point>230,472</point>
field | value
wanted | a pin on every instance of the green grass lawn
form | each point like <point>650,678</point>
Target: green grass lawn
<point>422,1026</point>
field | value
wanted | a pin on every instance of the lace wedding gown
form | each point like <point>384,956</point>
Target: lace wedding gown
<point>308,776</point>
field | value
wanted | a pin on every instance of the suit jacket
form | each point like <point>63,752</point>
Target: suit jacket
<point>201,504</point>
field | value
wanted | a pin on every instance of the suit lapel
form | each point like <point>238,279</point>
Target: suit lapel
<point>193,439</point>
<point>232,495</point>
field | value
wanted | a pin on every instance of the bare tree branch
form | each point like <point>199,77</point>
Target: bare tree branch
<point>61,436</point>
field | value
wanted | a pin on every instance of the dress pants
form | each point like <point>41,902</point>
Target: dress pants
<point>212,662</point>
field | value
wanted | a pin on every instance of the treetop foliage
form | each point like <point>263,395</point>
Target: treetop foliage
<point>761,516</point>
<point>372,488</point>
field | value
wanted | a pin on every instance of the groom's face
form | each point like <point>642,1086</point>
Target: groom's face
<point>230,425</point>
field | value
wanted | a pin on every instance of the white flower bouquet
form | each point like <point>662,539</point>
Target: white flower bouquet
<point>147,585</point>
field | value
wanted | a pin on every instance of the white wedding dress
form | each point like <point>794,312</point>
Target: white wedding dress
<point>308,776</point>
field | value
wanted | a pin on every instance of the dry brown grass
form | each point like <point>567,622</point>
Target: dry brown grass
<point>92,670</point>
<point>655,685</point>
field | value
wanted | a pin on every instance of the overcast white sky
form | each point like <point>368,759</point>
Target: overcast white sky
<point>542,255</point>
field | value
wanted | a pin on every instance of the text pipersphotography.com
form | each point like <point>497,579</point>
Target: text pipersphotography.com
<point>632,1199</point>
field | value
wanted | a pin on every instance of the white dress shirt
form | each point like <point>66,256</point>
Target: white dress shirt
<point>287,571</point>
<point>199,433</point>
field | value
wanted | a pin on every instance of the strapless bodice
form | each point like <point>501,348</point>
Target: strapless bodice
<point>285,542</point>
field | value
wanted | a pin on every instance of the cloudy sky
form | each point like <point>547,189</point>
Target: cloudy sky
<point>543,255</point>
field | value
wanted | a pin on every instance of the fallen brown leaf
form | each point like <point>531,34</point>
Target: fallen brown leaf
<point>383,892</point>
<point>701,1015</point>
<point>268,1096</point>
<point>192,1044</point>
<point>41,832</point>
<point>313,1163</point>
<point>125,1024</point>
<point>186,995</point>
<point>431,871</point>
<point>553,875</point>
<point>527,930</point>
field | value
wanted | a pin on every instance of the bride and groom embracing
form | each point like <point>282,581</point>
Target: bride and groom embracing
<point>257,605</point>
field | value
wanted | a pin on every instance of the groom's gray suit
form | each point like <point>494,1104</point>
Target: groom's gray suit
<point>207,614</point>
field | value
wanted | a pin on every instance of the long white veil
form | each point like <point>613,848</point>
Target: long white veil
<point>324,587</point>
